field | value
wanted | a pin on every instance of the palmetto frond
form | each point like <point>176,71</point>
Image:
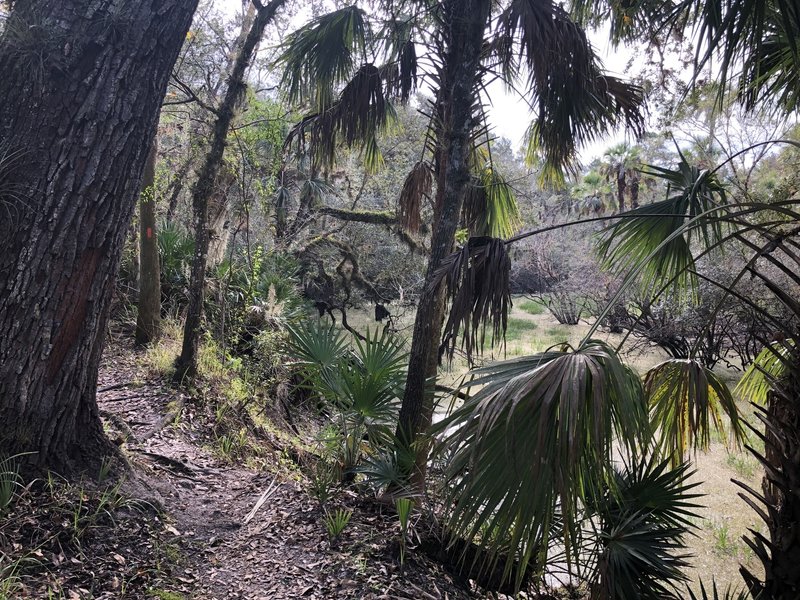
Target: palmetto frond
<point>358,116</point>
<point>639,530</point>
<point>575,100</point>
<point>770,365</point>
<point>477,280</point>
<point>685,398</point>
<point>537,435</point>
<point>322,55</point>
<point>761,36</point>
<point>657,238</point>
<point>490,205</point>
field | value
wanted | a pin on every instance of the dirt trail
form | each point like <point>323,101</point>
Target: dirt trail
<point>283,550</point>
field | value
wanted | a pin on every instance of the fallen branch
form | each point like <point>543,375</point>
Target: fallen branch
<point>271,489</point>
<point>164,421</point>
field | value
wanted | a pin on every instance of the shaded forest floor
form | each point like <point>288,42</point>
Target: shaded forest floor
<point>215,506</point>
<point>188,522</point>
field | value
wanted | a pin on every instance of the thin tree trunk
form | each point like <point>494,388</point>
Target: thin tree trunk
<point>148,320</point>
<point>186,364</point>
<point>465,22</point>
<point>78,109</point>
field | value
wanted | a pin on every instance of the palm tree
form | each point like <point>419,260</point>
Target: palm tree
<point>348,76</point>
<point>660,244</point>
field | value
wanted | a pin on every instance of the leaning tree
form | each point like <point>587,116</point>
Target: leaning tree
<point>82,86</point>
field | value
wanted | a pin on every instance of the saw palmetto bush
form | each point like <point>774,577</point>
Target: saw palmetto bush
<point>533,444</point>
<point>360,382</point>
<point>637,530</point>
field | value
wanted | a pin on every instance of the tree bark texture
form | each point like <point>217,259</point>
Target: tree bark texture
<point>464,23</point>
<point>186,364</point>
<point>148,319</point>
<point>82,83</point>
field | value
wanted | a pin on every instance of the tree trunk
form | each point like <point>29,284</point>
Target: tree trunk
<point>79,102</point>
<point>148,320</point>
<point>186,364</point>
<point>465,22</point>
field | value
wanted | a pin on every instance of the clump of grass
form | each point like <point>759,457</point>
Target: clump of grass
<point>743,464</point>
<point>336,521</point>
<point>532,307</point>
<point>159,358</point>
<point>723,542</point>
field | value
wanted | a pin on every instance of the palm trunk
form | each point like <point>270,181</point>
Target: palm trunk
<point>780,551</point>
<point>464,24</point>
<point>186,364</point>
<point>148,319</point>
<point>78,108</point>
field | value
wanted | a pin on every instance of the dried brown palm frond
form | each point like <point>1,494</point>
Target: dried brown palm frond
<point>418,185</point>
<point>477,280</point>
<point>356,118</point>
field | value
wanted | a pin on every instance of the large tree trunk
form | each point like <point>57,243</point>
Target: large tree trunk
<point>465,22</point>
<point>186,364</point>
<point>148,319</point>
<point>82,83</point>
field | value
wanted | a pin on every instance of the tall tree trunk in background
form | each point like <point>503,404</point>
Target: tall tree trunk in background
<point>186,364</point>
<point>465,21</point>
<point>219,216</point>
<point>148,320</point>
<point>78,108</point>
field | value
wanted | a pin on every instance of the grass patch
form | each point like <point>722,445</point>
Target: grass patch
<point>743,465</point>
<point>724,544</point>
<point>532,307</point>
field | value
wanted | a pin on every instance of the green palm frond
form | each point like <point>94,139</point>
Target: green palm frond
<point>532,443</point>
<point>657,238</point>
<point>639,530</point>
<point>575,100</point>
<point>683,396</point>
<point>490,205</point>
<point>316,348</point>
<point>322,55</point>
<point>761,38</point>
<point>769,366</point>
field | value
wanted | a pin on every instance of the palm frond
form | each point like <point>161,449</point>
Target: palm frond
<point>358,116</point>
<point>684,398</point>
<point>575,100</point>
<point>490,205</point>
<point>417,185</point>
<point>639,528</point>
<point>532,442</point>
<point>321,55</point>
<point>769,366</point>
<point>657,238</point>
<point>400,70</point>
<point>759,36</point>
<point>715,593</point>
<point>477,280</point>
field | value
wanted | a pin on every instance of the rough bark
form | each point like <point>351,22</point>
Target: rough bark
<point>186,364</point>
<point>464,23</point>
<point>82,83</point>
<point>148,319</point>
